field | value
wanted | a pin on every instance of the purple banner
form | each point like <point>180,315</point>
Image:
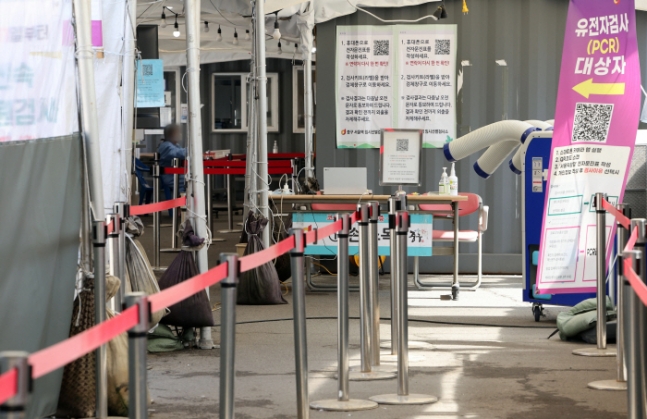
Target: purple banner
<point>596,119</point>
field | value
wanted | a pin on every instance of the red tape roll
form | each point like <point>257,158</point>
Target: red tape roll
<point>160,206</point>
<point>56,356</point>
<point>183,290</point>
<point>8,385</point>
<point>620,217</point>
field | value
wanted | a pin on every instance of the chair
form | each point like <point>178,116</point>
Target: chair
<point>145,190</point>
<point>474,204</point>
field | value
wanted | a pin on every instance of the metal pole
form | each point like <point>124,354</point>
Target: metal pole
<point>365,371</point>
<point>156,215</point>
<point>374,281</point>
<point>393,207</point>
<point>308,108</point>
<point>640,317</point>
<point>209,202</point>
<point>620,383</point>
<point>228,335</point>
<point>299,307</point>
<point>137,349</point>
<point>196,202</point>
<point>403,397</point>
<point>635,402</point>
<point>262,116</point>
<point>113,251</point>
<point>176,194</point>
<point>128,88</point>
<point>456,286</point>
<point>342,403</point>
<point>15,407</point>
<point>601,269</point>
<point>123,210</point>
<point>85,61</point>
<point>99,243</point>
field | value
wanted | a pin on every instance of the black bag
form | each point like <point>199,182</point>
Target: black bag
<point>195,311</point>
<point>260,285</point>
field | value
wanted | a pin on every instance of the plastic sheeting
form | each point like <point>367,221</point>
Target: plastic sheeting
<point>39,244</point>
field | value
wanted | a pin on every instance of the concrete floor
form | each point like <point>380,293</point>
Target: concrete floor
<point>485,358</point>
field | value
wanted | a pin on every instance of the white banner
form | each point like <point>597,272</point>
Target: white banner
<point>37,77</point>
<point>399,76</point>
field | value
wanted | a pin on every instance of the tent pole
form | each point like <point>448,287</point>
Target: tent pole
<point>196,202</point>
<point>251,200</point>
<point>308,105</point>
<point>128,86</point>
<point>85,60</point>
<point>262,117</point>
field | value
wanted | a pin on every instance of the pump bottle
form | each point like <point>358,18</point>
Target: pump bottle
<point>453,181</point>
<point>443,185</point>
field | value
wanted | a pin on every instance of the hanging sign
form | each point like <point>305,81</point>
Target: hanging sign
<point>598,106</point>
<point>37,77</point>
<point>419,240</point>
<point>400,76</point>
<point>150,84</point>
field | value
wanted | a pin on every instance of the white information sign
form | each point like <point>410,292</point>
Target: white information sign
<point>400,76</point>
<point>400,155</point>
<point>37,77</point>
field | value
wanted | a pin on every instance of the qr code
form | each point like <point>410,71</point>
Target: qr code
<point>591,123</point>
<point>442,46</point>
<point>402,145</point>
<point>381,47</point>
<point>147,69</point>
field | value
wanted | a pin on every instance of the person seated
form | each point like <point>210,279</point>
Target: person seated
<point>168,150</point>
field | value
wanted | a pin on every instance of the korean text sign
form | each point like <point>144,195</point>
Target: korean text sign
<point>598,106</point>
<point>400,76</point>
<point>418,240</point>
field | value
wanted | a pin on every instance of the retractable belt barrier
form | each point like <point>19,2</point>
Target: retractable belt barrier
<point>54,357</point>
<point>158,207</point>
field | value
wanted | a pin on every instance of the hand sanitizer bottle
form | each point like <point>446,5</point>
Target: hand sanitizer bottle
<point>453,182</point>
<point>275,148</point>
<point>443,185</point>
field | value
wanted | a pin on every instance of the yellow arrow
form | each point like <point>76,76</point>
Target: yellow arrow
<point>588,88</point>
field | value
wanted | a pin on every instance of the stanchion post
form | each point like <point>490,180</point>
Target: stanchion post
<point>174,211</point>
<point>299,307</point>
<point>394,204</point>
<point>403,396</point>
<point>635,400</point>
<point>601,270</point>
<point>99,244</point>
<point>156,215</point>
<point>228,334</point>
<point>374,281</point>
<point>343,403</point>
<point>209,202</point>
<point>137,349</point>
<point>113,236</point>
<point>123,210</point>
<point>620,383</point>
<point>230,208</point>
<point>15,407</point>
<point>364,289</point>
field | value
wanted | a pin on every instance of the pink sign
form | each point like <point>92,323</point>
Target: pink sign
<point>596,118</point>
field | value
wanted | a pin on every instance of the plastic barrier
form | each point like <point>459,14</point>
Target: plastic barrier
<point>61,354</point>
<point>157,207</point>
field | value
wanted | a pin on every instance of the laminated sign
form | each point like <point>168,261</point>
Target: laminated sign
<point>596,118</point>
<point>398,76</point>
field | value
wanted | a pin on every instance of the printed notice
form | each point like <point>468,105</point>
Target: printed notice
<point>400,157</point>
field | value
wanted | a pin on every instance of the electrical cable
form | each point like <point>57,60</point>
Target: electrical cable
<point>392,21</point>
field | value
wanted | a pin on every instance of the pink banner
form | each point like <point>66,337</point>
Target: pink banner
<point>596,118</point>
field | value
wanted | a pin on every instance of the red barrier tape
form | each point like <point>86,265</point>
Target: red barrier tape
<point>239,163</point>
<point>160,206</point>
<point>255,260</point>
<point>636,283</point>
<point>241,171</point>
<point>632,240</point>
<point>183,290</point>
<point>8,384</point>
<point>620,217</point>
<point>174,170</point>
<point>56,356</point>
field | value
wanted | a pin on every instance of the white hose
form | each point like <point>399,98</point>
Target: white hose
<point>485,137</point>
<point>516,162</point>
<point>489,161</point>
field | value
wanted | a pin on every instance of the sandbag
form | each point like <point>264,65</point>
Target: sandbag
<point>260,285</point>
<point>194,311</point>
<point>581,317</point>
<point>117,361</point>
<point>282,263</point>
<point>162,339</point>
